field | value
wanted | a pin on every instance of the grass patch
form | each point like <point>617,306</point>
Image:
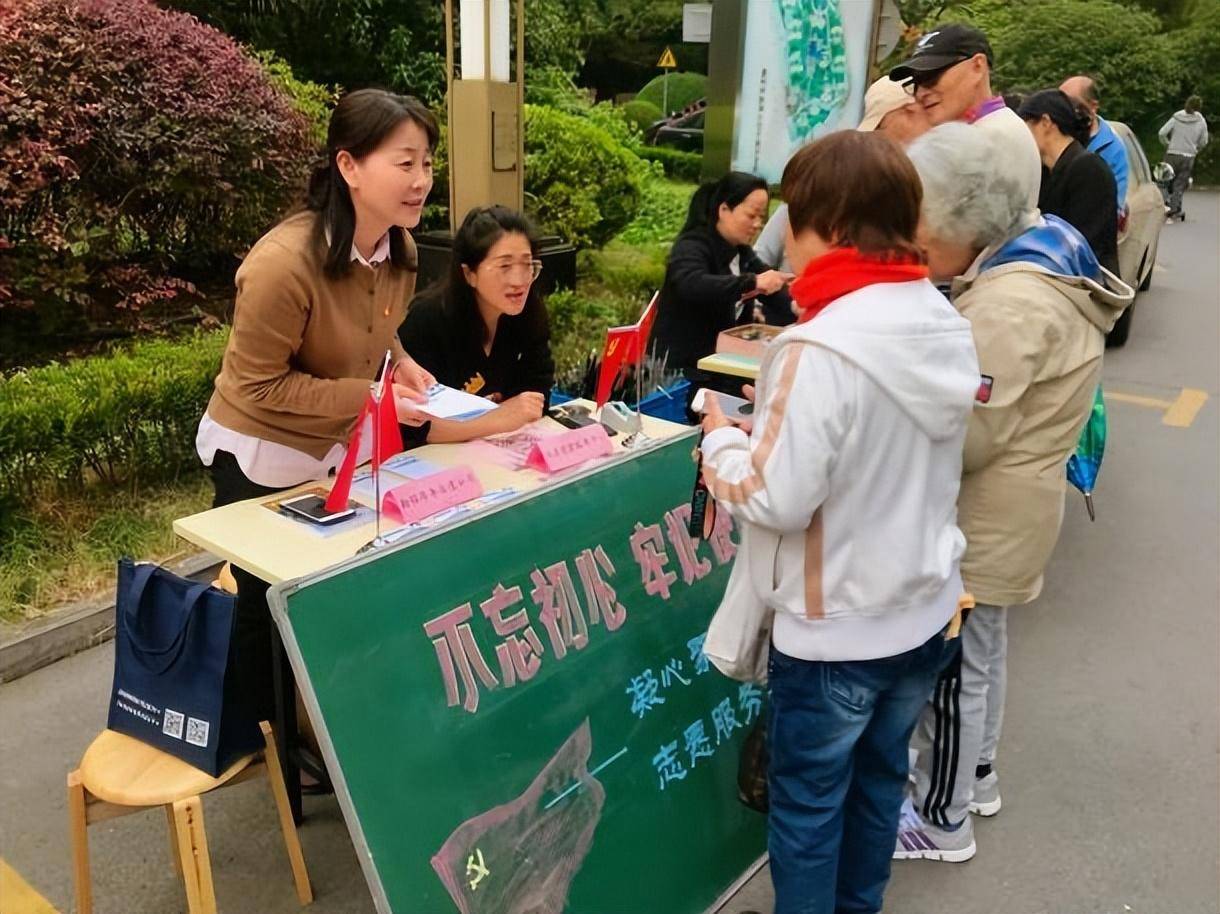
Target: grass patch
<point>58,551</point>
<point>662,212</point>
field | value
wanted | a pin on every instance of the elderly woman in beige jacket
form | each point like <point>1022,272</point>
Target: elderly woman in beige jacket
<point>1039,306</point>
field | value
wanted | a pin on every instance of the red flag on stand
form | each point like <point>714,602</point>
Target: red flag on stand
<point>380,410</point>
<point>625,346</point>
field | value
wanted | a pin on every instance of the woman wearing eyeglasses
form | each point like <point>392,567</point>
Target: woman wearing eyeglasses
<point>484,329</point>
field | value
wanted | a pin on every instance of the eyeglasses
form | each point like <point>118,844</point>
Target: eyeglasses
<point>507,269</point>
<point>928,80</point>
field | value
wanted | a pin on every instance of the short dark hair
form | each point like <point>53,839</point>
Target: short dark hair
<point>730,191</point>
<point>478,233</point>
<point>855,189</point>
<point>1193,104</point>
<point>1065,112</point>
<point>360,122</point>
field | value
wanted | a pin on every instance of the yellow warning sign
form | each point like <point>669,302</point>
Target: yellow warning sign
<point>667,61</point>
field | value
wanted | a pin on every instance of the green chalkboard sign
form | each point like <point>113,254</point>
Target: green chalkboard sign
<point>517,712</point>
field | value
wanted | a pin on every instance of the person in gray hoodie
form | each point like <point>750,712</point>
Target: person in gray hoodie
<point>1185,134</point>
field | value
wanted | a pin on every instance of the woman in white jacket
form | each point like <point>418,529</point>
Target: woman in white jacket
<point>846,490</point>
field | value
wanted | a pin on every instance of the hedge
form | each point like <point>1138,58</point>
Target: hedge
<point>580,181</point>
<point>684,88</point>
<point>679,165</point>
<point>125,418</point>
<point>641,113</point>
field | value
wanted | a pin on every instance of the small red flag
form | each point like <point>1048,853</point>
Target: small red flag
<point>388,443</point>
<point>337,500</point>
<point>624,346</point>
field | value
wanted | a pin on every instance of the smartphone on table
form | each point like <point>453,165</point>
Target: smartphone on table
<point>313,509</point>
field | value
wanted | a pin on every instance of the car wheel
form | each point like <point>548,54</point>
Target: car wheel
<point>1122,328</point>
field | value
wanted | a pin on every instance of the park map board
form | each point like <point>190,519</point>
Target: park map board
<point>517,711</point>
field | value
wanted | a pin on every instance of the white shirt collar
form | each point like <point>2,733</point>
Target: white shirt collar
<point>381,253</point>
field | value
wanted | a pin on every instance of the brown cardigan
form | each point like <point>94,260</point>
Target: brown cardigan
<point>304,347</point>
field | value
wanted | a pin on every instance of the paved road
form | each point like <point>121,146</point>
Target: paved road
<point>1109,759</point>
<point>1109,762</point>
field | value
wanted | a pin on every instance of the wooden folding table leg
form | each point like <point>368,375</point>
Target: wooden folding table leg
<point>80,844</point>
<point>193,851</point>
<point>279,791</point>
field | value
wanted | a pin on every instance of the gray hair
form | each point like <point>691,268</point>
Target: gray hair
<point>969,197</point>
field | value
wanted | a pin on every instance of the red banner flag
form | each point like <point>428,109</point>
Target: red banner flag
<point>625,346</point>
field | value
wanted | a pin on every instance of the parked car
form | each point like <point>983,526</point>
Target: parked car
<point>684,130</point>
<point>1139,230</point>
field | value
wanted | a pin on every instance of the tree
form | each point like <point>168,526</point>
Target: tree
<point>1037,43</point>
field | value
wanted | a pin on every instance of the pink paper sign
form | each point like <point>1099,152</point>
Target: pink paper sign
<point>413,501</point>
<point>558,452</point>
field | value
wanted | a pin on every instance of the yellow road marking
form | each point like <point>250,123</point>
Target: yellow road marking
<point>1177,413</point>
<point>1185,408</point>
<point>16,895</point>
<point>1137,400</point>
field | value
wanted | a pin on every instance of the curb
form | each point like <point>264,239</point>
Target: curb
<point>77,627</point>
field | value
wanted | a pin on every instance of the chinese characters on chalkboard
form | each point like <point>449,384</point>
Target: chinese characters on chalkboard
<point>565,620</point>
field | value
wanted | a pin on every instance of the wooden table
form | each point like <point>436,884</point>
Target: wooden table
<point>278,549</point>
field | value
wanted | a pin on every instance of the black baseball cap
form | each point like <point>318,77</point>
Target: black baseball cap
<point>943,47</point>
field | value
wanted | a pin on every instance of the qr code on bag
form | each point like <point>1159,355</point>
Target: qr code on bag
<point>171,725</point>
<point>196,732</point>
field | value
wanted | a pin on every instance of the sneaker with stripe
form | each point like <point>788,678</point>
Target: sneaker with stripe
<point>920,840</point>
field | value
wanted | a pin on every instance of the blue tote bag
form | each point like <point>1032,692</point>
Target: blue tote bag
<point>171,667</point>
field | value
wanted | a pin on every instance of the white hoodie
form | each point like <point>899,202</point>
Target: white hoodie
<point>848,486</point>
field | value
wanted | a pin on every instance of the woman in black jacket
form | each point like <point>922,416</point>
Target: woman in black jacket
<point>714,279</point>
<point>1077,185</point>
<point>484,329</point>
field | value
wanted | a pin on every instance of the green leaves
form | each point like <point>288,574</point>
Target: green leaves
<point>579,180</point>
<point>127,418</point>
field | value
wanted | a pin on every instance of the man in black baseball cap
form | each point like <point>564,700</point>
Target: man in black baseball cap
<point>949,74</point>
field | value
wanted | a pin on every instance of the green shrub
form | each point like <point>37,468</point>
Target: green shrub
<point>313,100</point>
<point>578,327</point>
<point>641,113</point>
<point>579,181</point>
<point>662,213</point>
<point>684,88</point>
<point>136,139</point>
<point>125,418</point>
<point>679,165</point>
<point>624,270</point>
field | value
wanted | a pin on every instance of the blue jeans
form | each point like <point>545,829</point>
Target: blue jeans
<point>838,735</point>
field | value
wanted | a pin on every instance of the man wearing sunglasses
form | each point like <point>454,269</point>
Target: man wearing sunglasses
<point>949,74</point>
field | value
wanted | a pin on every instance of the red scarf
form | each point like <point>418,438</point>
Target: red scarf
<point>845,270</point>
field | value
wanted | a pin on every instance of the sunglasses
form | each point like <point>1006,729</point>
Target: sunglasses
<point>929,80</point>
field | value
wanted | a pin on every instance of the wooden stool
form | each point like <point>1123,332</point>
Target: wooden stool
<point>119,776</point>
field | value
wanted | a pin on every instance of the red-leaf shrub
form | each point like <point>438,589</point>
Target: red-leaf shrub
<point>134,137</point>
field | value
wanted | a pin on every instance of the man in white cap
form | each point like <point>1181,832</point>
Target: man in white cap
<point>888,109</point>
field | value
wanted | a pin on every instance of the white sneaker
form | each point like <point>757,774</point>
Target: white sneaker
<point>986,799</point>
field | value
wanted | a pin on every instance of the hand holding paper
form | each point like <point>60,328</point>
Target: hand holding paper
<point>448,403</point>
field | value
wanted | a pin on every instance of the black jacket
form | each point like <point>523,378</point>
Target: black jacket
<point>700,295</point>
<point>1080,189</point>
<point>447,346</point>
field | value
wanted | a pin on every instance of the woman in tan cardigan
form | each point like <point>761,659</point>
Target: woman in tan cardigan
<point>319,301</point>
